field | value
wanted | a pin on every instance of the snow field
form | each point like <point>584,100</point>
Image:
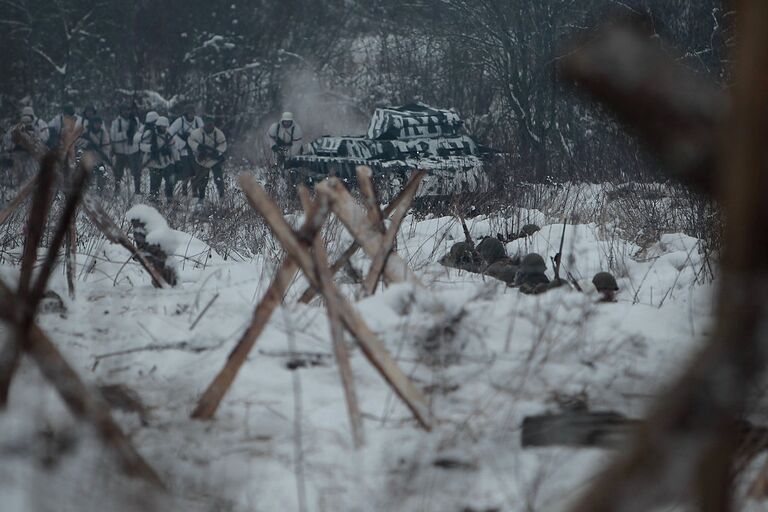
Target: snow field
<point>510,355</point>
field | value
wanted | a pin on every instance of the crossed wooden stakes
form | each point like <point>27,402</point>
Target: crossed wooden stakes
<point>18,309</point>
<point>304,250</point>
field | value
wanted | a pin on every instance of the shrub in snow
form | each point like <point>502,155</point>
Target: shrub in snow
<point>155,240</point>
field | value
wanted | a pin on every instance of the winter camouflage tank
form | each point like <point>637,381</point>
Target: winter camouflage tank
<point>399,141</point>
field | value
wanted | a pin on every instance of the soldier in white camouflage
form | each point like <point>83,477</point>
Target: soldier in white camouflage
<point>160,155</point>
<point>209,145</point>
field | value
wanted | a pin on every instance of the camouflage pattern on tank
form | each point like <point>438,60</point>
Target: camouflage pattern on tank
<point>399,141</point>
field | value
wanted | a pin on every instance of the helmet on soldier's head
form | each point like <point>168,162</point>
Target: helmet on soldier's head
<point>26,119</point>
<point>287,116</point>
<point>604,281</point>
<point>533,264</point>
<point>28,111</point>
<point>162,121</point>
<point>529,229</point>
<point>152,117</point>
<point>460,252</point>
<point>68,109</point>
<point>491,250</point>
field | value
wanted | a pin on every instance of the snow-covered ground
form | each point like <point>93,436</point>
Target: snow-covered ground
<point>280,433</point>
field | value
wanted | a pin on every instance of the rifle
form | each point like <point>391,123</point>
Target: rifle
<point>215,154</point>
<point>559,256</point>
<point>467,236</point>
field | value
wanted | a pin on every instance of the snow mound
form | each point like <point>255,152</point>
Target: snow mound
<point>149,216</point>
<point>167,239</point>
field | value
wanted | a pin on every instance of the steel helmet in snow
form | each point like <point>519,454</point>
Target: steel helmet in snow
<point>152,117</point>
<point>604,281</point>
<point>162,121</point>
<point>491,250</point>
<point>533,264</point>
<point>529,229</point>
<point>287,116</point>
<point>27,111</point>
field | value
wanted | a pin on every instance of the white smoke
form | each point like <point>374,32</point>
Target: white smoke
<point>318,108</point>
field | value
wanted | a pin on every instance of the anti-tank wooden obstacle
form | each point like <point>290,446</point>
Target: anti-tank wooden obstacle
<point>297,244</point>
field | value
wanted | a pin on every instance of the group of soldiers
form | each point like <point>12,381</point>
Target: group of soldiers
<point>186,151</point>
<point>527,274</point>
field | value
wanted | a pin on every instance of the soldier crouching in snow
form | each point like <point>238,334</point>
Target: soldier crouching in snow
<point>208,144</point>
<point>160,155</point>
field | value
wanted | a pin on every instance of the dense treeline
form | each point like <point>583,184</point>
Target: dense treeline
<point>333,61</point>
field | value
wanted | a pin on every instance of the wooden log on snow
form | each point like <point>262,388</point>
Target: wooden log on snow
<point>577,428</point>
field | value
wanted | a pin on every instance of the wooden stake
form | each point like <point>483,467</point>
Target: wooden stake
<point>388,242</point>
<point>214,393</point>
<point>372,348</point>
<point>14,203</point>
<point>355,220</point>
<point>332,301</point>
<point>81,402</point>
<point>365,182</point>
<point>310,292</point>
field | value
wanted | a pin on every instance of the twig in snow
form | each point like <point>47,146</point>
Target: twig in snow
<point>202,313</point>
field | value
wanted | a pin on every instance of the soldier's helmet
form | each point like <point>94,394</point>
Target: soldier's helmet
<point>162,121</point>
<point>605,282</point>
<point>68,109</point>
<point>461,252</point>
<point>491,250</point>
<point>529,229</point>
<point>533,264</point>
<point>151,117</point>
